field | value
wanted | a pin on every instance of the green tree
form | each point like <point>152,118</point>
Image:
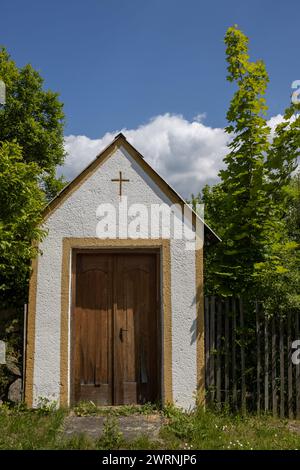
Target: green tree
<point>242,195</point>
<point>292,216</point>
<point>21,203</point>
<point>278,276</point>
<point>249,207</point>
<point>34,118</point>
<point>31,133</point>
<point>283,155</point>
<point>215,216</point>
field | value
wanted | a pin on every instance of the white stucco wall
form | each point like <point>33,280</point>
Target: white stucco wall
<point>76,217</point>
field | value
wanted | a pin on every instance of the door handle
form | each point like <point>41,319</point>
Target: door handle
<point>121,333</point>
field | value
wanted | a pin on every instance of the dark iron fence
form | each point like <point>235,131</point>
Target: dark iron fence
<point>248,357</point>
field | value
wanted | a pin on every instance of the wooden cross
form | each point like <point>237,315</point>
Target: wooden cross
<point>120,180</point>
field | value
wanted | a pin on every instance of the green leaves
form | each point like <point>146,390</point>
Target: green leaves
<point>236,52</point>
<point>31,147</point>
<point>245,204</point>
<point>21,203</point>
<point>254,209</point>
<point>32,117</point>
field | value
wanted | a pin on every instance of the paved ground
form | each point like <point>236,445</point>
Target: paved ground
<point>131,426</point>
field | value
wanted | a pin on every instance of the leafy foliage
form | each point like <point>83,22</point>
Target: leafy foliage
<point>292,213</point>
<point>111,437</point>
<point>253,208</point>
<point>34,118</point>
<point>21,203</point>
<point>31,146</point>
<point>278,276</point>
<point>245,202</point>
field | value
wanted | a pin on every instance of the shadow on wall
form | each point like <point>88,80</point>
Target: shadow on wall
<point>194,326</point>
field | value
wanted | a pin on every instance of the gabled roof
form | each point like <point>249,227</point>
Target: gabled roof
<point>120,140</point>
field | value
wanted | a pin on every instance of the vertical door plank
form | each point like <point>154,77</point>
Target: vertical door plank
<point>92,314</point>
<point>136,337</point>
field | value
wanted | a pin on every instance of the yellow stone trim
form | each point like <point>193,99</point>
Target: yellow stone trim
<point>96,243</point>
<point>200,328</point>
<point>30,335</point>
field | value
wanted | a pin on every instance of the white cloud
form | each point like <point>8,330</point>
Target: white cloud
<point>188,154</point>
<point>273,122</point>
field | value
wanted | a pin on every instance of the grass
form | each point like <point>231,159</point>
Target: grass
<point>219,431</point>
<point>42,429</point>
<point>89,408</point>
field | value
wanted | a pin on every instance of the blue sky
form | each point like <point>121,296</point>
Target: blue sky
<point>117,64</point>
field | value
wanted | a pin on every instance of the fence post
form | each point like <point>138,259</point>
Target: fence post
<point>227,351</point>
<point>242,342</point>
<point>266,369</point>
<point>258,370</point>
<point>234,390</point>
<point>24,349</point>
<point>212,347</point>
<point>297,384</point>
<point>219,333</point>
<point>274,388</point>
<point>282,375</point>
<point>290,367</point>
<point>207,345</point>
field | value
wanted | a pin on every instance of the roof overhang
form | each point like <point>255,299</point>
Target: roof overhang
<point>120,140</point>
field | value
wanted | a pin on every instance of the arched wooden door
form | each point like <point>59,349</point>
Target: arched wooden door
<point>116,357</point>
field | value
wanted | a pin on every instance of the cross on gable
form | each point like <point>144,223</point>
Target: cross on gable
<point>120,180</point>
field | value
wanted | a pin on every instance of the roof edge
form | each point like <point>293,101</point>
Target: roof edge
<point>101,157</point>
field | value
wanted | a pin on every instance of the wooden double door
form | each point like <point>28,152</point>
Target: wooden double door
<point>115,328</point>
